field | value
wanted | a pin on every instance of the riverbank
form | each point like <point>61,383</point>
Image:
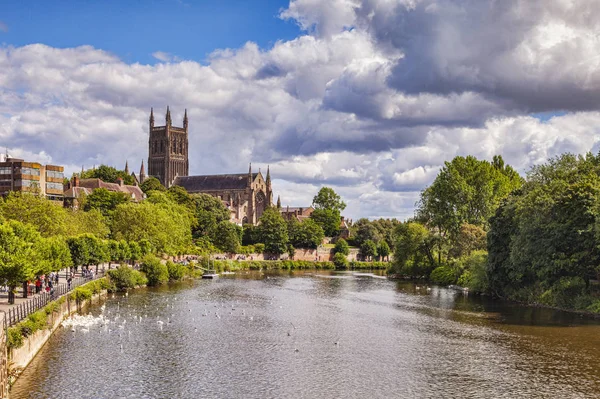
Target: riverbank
<point>26,338</point>
<point>235,265</point>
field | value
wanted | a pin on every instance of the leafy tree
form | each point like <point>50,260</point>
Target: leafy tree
<point>368,249</point>
<point>108,174</point>
<point>124,251</point>
<point>365,231</point>
<point>78,247</point>
<point>327,198</point>
<point>466,190</point>
<point>136,251</point>
<point>20,254</point>
<point>104,200</point>
<point>291,251</point>
<point>152,184</point>
<point>340,261</point>
<point>164,226</point>
<point>155,271</point>
<point>469,238</point>
<point>383,249</point>
<point>249,235</point>
<point>92,222</point>
<point>226,237</point>
<point>328,219</point>
<point>305,234</point>
<point>413,254</point>
<point>209,212</point>
<point>272,231</point>
<point>180,196</point>
<point>341,247</point>
<point>49,219</point>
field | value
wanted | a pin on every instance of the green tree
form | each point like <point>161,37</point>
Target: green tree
<point>152,184</point>
<point>340,261</point>
<point>104,201</point>
<point>327,198</point>
<point>226,237</point>
<point>272,231</point>
<point>328,219</point>
<point>413,254</point>
<point>78,247</point>
<point>108,174</point>
<point>383,249</point>
<point>135,251</point>
<point>368,249</point>
<point>20,254</point>
<point>49,219</point>
<point>209,212</point>
<point>365,230</point>
<point>155,271</point>
<point>341,247</point>
<point>305,234</point>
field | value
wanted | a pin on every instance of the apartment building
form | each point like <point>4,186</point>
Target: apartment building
<point>32,177</point>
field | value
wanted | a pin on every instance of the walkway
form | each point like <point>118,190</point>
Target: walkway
<point>25,306</point>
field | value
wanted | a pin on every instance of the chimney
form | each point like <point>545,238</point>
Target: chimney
<point>300,211</point>
<point>120,181</point>
<point>75,181</point>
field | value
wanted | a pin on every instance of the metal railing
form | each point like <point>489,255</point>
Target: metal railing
<point>38,301</point>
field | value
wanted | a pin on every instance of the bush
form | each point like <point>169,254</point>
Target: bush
<point>259,248</point>
<point>340,261</point>
<point>443,275</point>
<point>81,294</point>
<point>566,293</point>
<point>176,271</point>
<point>155,271</point>
<point>125,277</point>
<point>14,338</point>
<point>341,247</point>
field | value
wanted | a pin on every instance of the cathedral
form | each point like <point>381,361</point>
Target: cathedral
<point>246,195</point>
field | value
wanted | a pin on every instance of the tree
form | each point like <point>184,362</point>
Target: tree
<point>365,231</point>
<point>340,261</point>
<point>155,271</point>
<point>341,247</point>
<point>305,234</point>
<point>78,247</point>
<point>413,254</point>
<point>165,226</point>
<point>326,198</point>
<point>272,231</point>
<point>108,174</point>
<point>209,212</point>
<point>328,219</point>
<point>49,219</point>
<point>383,249</point>
<point>226,237</point>
<point>152,184</point>
<point>104,200</point>
<point>466,190</point>
<point>368,249</point>
<point>469,238</point>
<point>20,254</point>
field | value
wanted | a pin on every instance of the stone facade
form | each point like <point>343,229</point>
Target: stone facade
<point>246,195</point>
<point>167,150</point>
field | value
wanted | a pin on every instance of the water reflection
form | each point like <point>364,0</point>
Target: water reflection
<point>307,335</point>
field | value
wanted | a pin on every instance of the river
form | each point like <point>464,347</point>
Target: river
<point>321,335</point>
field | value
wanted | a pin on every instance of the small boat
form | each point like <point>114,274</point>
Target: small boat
<point>210,276</point>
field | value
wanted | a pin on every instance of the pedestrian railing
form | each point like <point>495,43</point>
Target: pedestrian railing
<point>38,301</point>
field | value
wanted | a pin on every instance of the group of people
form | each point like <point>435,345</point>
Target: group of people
<point>46,282</point>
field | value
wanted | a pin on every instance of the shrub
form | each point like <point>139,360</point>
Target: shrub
<point>259,248</point>
<point>340,261</point>
<point>176,271</point>
<point>125,277</point>
<point>566,293</point>
<point>443,275</point>
<point>155,271</point>
<point>14,338</point>
<point>81,294</point>
<point>341,247</point>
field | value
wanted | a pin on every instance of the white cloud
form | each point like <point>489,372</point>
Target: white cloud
<point>371,101</point>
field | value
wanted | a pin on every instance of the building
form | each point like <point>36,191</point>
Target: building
<point>168,150</point>
<point>18,175</point>
<point>246,195</point>
<point>83,187</point>
<point>298,213</point>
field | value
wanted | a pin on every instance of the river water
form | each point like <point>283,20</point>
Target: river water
<point>322,335</point>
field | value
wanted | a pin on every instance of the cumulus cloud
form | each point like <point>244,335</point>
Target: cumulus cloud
<point>371,100</point>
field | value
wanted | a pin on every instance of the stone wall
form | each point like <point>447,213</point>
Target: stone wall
<point>21,357</point>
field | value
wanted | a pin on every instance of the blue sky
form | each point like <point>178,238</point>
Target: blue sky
<point>134,29</point>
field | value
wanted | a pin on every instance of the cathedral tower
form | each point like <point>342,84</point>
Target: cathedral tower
<point>168,150</point>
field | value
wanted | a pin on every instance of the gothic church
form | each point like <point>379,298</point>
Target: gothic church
<point>246,195</point>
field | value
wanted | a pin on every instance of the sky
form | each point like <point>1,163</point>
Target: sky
<point>369,97</point>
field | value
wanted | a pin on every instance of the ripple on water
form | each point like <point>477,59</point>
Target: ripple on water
<point>305,336</point>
